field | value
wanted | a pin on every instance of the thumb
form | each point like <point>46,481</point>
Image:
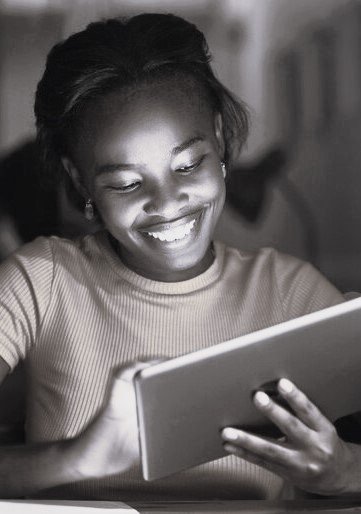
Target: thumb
<point>122,389</point>
<point>127,373</point>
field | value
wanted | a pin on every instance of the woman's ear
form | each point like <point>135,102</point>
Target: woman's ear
<point>218,129</point>
<point>75,177</point>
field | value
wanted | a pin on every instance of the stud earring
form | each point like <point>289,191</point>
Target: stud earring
<point>89,210</point>
<point>224,169</point>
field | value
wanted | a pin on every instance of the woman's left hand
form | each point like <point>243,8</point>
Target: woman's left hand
<point>311,455</point>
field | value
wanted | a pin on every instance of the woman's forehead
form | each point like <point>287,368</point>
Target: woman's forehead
<point>149,106</point>
<point>154,116</point>
<point>167,92</point>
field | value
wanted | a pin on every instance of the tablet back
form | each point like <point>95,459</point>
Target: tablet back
<point>184,403</point>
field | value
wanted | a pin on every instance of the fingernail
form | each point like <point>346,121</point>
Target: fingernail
<point>262,398</point>
<point>285,385</point>
<point>230,448</point>
<point>230,433</point>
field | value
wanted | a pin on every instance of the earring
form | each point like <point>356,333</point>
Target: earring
<point>224,169</point>
<point>89,210</point>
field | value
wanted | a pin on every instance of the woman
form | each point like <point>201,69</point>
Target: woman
<point>132,113</point>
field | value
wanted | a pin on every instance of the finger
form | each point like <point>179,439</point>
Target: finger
<point>122,402</point>
<point>122,389</point>
<point>302,406</point>
<point>268,451</point>
<point>290,426</point>
<point>256,459</point>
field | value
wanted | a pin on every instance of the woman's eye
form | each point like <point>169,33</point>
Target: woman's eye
<point>126,188</point>
<point>191,167</point>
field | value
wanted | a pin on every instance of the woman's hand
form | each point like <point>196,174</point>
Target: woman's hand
<point>311,455</point>
<point>110,443</point>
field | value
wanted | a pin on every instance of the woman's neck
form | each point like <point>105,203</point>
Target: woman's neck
<point>164,275</point>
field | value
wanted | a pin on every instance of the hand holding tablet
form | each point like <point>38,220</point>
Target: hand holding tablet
<point>184,403</point>
<point>310,455</point>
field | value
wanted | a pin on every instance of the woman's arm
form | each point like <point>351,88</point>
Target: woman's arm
<point>108,445</point>
<point>311,455</point>
<point>26,470</point>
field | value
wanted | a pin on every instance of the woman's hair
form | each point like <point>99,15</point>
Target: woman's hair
<point>124,53</point>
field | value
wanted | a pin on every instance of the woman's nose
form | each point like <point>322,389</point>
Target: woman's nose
<point>166,200</point>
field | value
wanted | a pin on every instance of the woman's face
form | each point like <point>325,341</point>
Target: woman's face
<point>150,161</point>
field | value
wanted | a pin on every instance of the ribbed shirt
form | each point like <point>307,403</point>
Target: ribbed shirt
<point>75,313</point>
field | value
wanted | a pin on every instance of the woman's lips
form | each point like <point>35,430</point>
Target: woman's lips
<point>172,230</point>
<point>174,234</point>
<point>160,224</point>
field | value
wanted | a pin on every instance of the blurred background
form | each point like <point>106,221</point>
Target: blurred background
<point>297,64</point>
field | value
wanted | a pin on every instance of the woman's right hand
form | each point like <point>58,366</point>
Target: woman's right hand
<point>110,444</point>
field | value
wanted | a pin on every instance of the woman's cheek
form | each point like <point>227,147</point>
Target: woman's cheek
<point>216,190</point>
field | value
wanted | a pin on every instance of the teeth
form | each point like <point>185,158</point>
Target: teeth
<point>174,233</point>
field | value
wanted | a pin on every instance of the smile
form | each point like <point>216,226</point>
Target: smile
<point>174,234</point>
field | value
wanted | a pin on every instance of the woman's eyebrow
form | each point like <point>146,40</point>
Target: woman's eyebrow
<point>109,168</point>
<point>190,142</point>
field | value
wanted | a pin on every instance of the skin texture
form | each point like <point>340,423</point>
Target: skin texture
<point>129,160</point>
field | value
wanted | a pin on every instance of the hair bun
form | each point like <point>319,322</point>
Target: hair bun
<point>169,36</point>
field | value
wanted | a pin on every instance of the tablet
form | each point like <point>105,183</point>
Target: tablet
<point>184,403</point>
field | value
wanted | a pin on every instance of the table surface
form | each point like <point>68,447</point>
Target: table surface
<point>320,506</point>
<point>251,506</point>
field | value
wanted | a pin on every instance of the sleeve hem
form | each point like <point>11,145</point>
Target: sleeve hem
<point>11,359</point>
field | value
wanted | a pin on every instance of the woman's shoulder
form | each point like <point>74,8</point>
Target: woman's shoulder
<point>266,257</point>
<point>295,281</point>
<point>57,244</point>
<point>47,252</point>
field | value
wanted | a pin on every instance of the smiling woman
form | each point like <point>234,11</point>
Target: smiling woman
<point>132,113</point>
<point>152,165</point>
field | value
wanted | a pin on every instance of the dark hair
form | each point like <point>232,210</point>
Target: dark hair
<point>119,53</point>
